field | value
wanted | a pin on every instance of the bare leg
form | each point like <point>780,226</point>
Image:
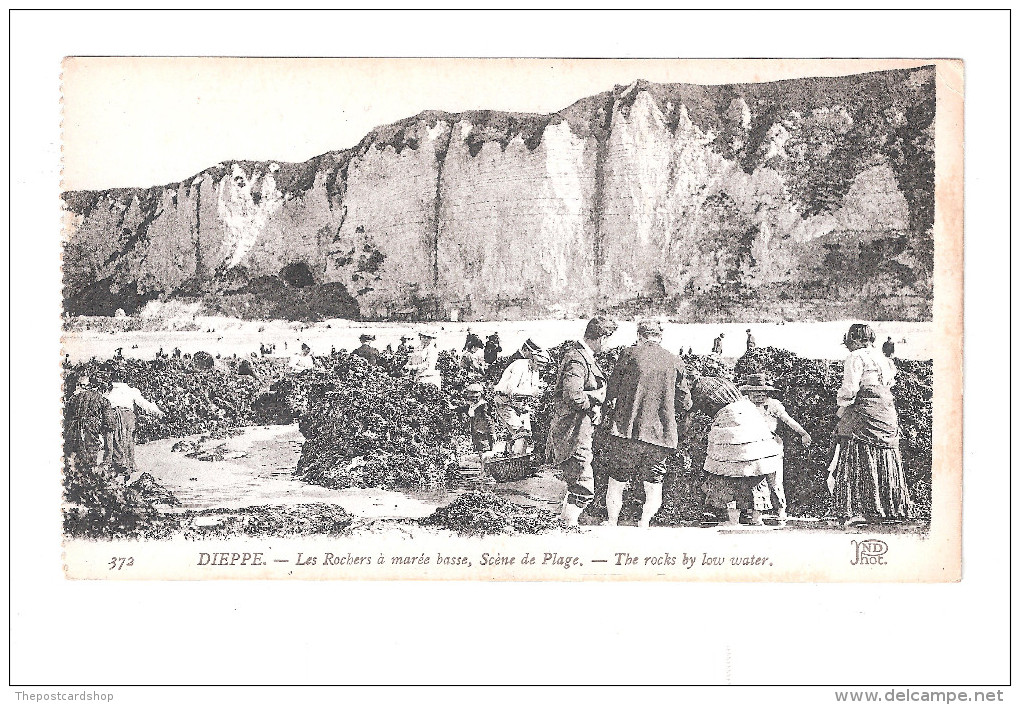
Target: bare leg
<point>614,500</point>
<point>571,513</point>
<point>653,501</point>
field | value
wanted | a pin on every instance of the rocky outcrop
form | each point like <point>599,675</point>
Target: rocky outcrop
<point>680,198</point>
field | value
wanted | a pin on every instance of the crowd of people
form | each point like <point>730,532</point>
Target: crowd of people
<point>647,402</point>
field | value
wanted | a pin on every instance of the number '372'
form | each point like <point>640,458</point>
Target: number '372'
<point>119,562</point>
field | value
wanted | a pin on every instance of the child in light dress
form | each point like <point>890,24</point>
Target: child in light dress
<point>757,389</point>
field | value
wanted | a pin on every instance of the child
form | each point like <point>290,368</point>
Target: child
<point>741,452</point>
<point>477,412</point>
<point>756,388</point>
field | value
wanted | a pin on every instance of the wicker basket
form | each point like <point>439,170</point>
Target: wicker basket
<point>509,468</point>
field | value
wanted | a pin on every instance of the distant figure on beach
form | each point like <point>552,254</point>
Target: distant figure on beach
<point>472,338</point>
<point>303,361</point>
<point>717,344</point>
<point>889,347</point>
<point>421,363</point>
<point>473,358</point>
<point>492,348</point>
<point>366,351</point>
<point>751,342</point>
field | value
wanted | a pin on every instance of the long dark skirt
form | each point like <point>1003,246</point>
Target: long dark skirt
<point>122,423</point>
<point>870,482</point>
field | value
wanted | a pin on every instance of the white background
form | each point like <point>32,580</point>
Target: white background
<point>403,633</point>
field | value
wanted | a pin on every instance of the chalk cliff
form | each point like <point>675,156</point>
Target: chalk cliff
<point>808,198</point>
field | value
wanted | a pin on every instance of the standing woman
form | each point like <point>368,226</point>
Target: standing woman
<point>867,472</point>
<point>85,426</point>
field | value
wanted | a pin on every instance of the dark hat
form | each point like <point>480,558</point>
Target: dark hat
<point>404,338</point>
<point>600,327</point>
<point>649,326</point>
<point>365,337</point>
<point>530,346</point>
<point>757,382</point>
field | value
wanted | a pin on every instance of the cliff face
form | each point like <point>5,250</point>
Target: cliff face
<point>690,199</point>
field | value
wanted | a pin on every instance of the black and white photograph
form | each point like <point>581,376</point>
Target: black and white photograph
<point>704,310</point>
<point>506,353</point>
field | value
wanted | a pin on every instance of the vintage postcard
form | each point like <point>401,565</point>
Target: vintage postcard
<point>512,319</point>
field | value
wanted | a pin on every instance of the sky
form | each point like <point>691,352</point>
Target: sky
<point>150,121</point>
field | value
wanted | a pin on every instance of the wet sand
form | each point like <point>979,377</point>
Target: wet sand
<point>264,476</point>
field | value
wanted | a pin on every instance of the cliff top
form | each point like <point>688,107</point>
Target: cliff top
<point>707,106</point>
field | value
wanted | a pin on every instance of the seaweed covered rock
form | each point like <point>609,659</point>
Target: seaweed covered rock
<point>194,400</point>
<point>480,513</point>
<point>203,360</point>
<point>364,428</point>
<point>153,492</point>
<point>272,521</point>
<point>98,505</point>
<point>913,393</point>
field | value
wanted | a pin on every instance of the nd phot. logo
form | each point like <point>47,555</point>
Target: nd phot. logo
<point>869,552</point>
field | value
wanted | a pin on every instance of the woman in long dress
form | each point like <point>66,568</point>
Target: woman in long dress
<point>867,477</point>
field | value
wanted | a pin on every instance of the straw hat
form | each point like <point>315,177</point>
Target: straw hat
<point>757,382</point>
